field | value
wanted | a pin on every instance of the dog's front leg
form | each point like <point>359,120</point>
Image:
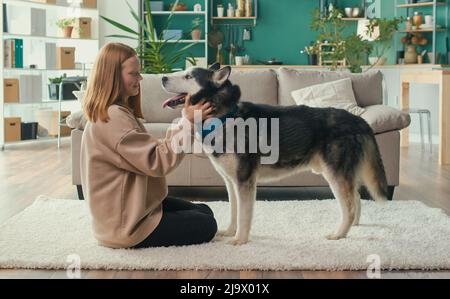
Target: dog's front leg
<point>232,197</point>
<point>246,202</point>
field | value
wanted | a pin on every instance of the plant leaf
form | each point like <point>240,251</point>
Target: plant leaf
<point>120,26</point>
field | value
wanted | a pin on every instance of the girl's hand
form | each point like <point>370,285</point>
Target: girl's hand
<point>189,109</point>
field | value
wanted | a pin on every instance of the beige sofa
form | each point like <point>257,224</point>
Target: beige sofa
<point>271,87</point>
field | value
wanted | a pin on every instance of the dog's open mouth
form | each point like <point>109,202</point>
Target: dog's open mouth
<point>175,101</point>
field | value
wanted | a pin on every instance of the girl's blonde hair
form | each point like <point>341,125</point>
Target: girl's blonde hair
<point>105,84</point>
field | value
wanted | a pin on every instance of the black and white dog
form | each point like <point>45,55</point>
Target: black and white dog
<point>327,141</point>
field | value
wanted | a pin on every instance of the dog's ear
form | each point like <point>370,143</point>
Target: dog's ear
<point>220,77</point>
<point>215,67</point>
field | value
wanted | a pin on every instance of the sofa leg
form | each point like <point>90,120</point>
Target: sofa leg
<point>391,190</point>
<point>80,192</point>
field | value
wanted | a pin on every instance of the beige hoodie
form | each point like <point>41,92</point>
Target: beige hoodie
<point>123,171</point>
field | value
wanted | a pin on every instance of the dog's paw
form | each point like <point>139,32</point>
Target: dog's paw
<point>227,233</point>
<point>334,237</point>
<point>237,242</point>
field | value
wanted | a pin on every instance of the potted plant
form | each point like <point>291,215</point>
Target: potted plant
<point>381,32</point>
<point>352,49</point>
<point>66,25</point>
<point>196,31</point>
<point>312,51</point>
<point>158,55</point>
<point>53,87</point>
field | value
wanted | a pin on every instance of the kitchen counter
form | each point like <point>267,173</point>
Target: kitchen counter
<point>388,66</point>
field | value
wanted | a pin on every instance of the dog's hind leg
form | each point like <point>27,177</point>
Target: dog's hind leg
<point>246,200</point>
<point>232,197</point>
<point>344,190</point>
<point>357,198</point>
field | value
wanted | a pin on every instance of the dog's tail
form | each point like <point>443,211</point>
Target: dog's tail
<point>373,173</point>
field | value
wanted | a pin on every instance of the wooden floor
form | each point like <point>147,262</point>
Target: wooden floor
<point>32,169</point>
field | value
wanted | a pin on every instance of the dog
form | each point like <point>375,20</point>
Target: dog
<point>332,142</point>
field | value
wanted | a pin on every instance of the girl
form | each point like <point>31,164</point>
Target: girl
<point>123,167</point>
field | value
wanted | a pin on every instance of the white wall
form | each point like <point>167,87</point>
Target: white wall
<point>118,11</point>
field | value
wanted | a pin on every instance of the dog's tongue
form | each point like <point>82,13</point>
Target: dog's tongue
<point>173,102</point>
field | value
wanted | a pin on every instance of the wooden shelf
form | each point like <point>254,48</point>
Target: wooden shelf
<point>424,4</point>
<point>353,19</point>
<point>186,13</point>
<point>13,35</point>
<point>234,18</point>
<point>42,5</point>
<point>422,30</point>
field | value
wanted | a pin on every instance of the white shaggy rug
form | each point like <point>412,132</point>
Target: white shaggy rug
<point>288,235</point>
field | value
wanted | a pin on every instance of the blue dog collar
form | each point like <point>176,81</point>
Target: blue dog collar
<point>216,123</point>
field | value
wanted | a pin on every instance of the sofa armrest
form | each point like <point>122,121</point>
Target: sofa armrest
<point>76,147</point>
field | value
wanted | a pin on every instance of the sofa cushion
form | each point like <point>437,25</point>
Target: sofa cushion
<point>382,118</point>
<point>258,86</point>
<point>368,87</point>
<point>337,94</point>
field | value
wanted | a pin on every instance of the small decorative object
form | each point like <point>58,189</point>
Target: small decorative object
<point>408,25</point>
<point>411,55</point>
<point>197,7</point>
<point>66,25</point>
<point>240,11</point>
<point>53,87</point>
<point>437,57</point>
<point>180,7</point>
<point>418,19</point>
<point>249,8</point>
<point>312,51</point>
<point>230,11</point>
<point>196,29</point>
<point>429,21</point>
<point>220,11</point>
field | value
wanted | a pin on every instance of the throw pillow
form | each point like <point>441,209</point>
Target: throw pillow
<point>336,94</point>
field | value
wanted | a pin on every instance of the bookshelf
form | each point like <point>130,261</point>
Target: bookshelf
<point>181,19</point>
<point>36,63</point>
<point>438,10</point>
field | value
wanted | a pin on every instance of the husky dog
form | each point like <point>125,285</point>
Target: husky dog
<point>327,141</point>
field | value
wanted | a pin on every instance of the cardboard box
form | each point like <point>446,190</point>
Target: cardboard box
<point>48,119</point>
<point>13,129</point>
<point>90,3</point>
<point>11,90</point>
<point>65,58</point>
<point>82,28</point>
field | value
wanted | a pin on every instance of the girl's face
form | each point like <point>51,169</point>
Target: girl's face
<point>131,77</point>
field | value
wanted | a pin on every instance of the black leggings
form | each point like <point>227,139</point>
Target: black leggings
<point>182,223</point>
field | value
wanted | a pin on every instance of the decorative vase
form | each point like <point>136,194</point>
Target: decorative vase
<point>411,55</point>
<point>418,19</point>
<point>312,59</point>
<point>53,91</point>
<point>196,34</point>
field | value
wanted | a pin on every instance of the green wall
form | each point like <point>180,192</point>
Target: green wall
<point>283,28</point>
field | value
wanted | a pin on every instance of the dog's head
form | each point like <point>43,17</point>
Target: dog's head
<point>211,85</point>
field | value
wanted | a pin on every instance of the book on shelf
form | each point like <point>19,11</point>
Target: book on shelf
<point>13,53</point>
<point>5,18</point>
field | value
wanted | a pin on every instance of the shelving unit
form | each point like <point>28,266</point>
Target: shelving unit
<point>203,13</point>
<point>434,4</point>
<point>86,50</point>
<point>225,20</point>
